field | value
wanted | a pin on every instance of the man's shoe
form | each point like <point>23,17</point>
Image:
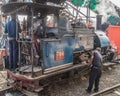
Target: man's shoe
<point>95,90</point>
<point>88,91</point>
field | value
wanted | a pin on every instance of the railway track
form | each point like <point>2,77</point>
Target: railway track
<point>111,91</point>
<point>10,91</point>
<point>6,90</point>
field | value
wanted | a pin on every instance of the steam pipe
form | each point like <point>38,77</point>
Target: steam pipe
<point>98,22</point>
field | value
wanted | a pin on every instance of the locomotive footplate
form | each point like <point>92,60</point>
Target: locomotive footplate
<point>23,82</point>
<point>33,83</point>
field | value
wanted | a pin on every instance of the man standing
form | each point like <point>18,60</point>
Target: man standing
<point>13,28</point>
<point>96,63</point>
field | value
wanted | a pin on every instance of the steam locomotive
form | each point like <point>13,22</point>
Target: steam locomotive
<point>62,48</point>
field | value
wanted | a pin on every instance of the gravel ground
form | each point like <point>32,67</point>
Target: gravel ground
<point>77,86</point>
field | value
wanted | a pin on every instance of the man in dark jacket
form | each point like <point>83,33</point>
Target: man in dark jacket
<point>96,66</point>
<point>13,29</point>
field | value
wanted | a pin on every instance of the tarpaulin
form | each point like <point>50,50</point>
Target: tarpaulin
<point>113,33</point>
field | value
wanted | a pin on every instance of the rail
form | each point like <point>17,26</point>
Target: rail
<point>108,91</point>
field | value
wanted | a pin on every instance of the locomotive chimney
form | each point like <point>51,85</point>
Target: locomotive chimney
<point>98,22</point>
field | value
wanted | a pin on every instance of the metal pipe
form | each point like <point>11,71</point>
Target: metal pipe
<point>16,27</point>
<point>32,51</point>
<point>75,9</point>
<point>19,62</point>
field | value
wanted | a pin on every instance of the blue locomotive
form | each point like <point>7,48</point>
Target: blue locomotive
<point>58,47</point>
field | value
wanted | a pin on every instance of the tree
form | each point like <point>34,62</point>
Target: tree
<point>91,3</point>
<point>78,2</point>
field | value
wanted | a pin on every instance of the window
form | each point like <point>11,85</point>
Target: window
<point>51,20</point>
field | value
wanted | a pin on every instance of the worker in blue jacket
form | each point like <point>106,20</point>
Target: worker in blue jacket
<point>12,28</point>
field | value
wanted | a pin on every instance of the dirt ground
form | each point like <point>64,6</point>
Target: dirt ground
<point>77,86</point>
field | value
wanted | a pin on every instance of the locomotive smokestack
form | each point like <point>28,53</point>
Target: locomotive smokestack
<point>98,22</point>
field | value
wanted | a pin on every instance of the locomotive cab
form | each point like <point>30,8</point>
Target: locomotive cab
<point>54,50</point>
<point>56,26</point>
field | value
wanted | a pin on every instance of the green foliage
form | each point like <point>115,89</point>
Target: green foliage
<point>78,2</point>
<point>114,20</point>
<point>93,4</point>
